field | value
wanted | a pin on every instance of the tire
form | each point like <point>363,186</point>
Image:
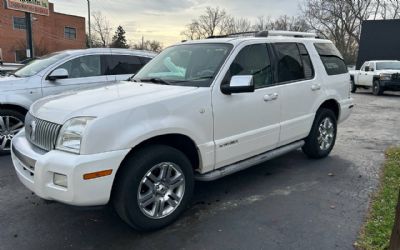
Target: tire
<point>132,184</point>
<point>353,87</point>
<point>11,122</point>
<point>316,147</point>
<point>377,89</point>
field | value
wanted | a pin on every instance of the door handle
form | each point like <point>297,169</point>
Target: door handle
<point>271,97</point>
<point>316,87</point>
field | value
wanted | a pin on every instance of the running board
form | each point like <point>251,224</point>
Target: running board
<point>236,167</point>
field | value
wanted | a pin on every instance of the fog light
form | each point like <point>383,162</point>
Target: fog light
<point>60,180</point>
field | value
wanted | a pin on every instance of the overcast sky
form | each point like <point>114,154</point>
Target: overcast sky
<point>164,20</point>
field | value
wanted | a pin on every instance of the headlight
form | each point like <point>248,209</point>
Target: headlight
<point>71,133</point>
<point>385,77</point>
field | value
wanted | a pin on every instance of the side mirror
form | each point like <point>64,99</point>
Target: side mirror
<point>239,84</point>
<point>367,68</point>
<point>371,69</point>
<point>58,74</point>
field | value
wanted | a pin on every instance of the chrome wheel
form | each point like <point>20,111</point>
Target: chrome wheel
<point>161,190</point>
<point>9,127</point>
<point>326,134</point>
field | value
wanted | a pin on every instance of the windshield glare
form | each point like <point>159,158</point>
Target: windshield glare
<point>186,65</point>
<point>388,65</point>
<point>37,65</point>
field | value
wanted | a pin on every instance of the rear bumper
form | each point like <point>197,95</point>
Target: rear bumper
<point>36,168</point>
<point>346,107</point>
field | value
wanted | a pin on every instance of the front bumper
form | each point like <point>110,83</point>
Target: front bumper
<point>346,107</point>
<point>391,85</point>
<point>36,168</point>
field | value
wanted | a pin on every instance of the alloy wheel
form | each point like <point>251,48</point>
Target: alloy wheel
<point>326,134</point>
<point>9,127</point>
<point>161,190</point>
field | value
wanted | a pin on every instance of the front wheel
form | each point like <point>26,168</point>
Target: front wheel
<point>377,88</point>
<point>154,187</point>
<point>322,138</point>
<point>11,122</point>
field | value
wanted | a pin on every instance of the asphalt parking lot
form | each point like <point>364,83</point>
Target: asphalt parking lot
<point>288,203</point>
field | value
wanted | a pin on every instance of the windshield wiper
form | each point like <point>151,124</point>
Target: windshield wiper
<point>155,80</point>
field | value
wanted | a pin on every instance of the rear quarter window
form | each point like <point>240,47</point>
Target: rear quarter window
<point>331,58</point>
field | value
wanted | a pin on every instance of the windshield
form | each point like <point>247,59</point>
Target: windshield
<point>35,66</point>
<point>186,65</point>
<point>388,65</point>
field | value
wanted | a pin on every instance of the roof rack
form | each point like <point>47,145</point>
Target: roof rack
<point>269,33</point>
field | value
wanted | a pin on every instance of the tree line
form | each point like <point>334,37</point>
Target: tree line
<point>337,20</point>
<point>102,37</point>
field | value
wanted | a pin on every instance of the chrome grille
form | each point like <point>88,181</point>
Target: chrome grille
<point>40,133</point>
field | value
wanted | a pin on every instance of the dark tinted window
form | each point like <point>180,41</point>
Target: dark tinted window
<point>145,60</point>
<point>252,60</point>
<point>122,65</point>
<point>290,64</point>
<point>331,58</point>
<point>307,64</point>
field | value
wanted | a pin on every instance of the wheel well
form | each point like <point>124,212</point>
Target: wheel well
<point>332,105</point>
<point>178,141</point>
<point>17,108</point>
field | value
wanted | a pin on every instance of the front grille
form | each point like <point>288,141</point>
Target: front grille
<point>396,77</point>
<point>40,133</point>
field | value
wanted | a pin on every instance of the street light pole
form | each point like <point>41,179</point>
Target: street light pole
<point>90,25</point>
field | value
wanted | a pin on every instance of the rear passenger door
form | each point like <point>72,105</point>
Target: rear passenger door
<point>122,67</point>
<point>300,90</point>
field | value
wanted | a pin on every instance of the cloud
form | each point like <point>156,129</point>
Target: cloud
<point>165,19</point>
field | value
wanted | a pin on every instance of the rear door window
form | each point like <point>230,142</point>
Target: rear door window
<point>122,65</point>
<point>290,62</point>
<point>331,58</point>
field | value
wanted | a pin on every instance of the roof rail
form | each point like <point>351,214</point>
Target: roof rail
<point>268,33</point>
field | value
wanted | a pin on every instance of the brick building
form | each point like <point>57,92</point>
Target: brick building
<point>50,33</point>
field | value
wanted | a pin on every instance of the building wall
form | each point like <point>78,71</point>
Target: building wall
<point>48,33</point>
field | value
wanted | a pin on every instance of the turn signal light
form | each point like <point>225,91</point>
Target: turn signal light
<point>99,174</point>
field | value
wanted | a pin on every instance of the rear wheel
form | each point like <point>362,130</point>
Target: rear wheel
<point>154,187</point>
<point>11,122</point>
<point>322,138</point>
<point>377,88</point>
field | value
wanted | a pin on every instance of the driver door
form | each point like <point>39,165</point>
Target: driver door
<point>83,72</point>
<point>247,124</point>
<point>363,74</point>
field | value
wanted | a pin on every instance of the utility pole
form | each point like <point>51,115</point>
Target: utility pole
<point>142,42</point>
<point>90,25</point>
<point>29,36</point>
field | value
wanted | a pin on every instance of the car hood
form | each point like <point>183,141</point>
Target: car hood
<point>104,101</point>
<point>11,83</point>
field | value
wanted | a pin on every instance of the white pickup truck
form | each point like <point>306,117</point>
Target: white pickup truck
<point>378,76</point>
<point>200,110</point>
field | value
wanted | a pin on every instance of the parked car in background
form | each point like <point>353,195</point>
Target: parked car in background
<point>60,72</point>
<point>379,76</point>
<point>199,110</point>
<point>7,68</point>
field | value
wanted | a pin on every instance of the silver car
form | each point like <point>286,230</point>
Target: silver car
<point>60,72</point>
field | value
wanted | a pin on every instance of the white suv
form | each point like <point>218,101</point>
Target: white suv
<point>59,72</point>
<point>199,110</point>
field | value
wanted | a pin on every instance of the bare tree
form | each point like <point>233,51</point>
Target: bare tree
<point>334,20</point>
<point>232,25</point>
<point>211,23</point>
<point>101,29</point>
<point>292,23</point>
<point>150,45</point>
